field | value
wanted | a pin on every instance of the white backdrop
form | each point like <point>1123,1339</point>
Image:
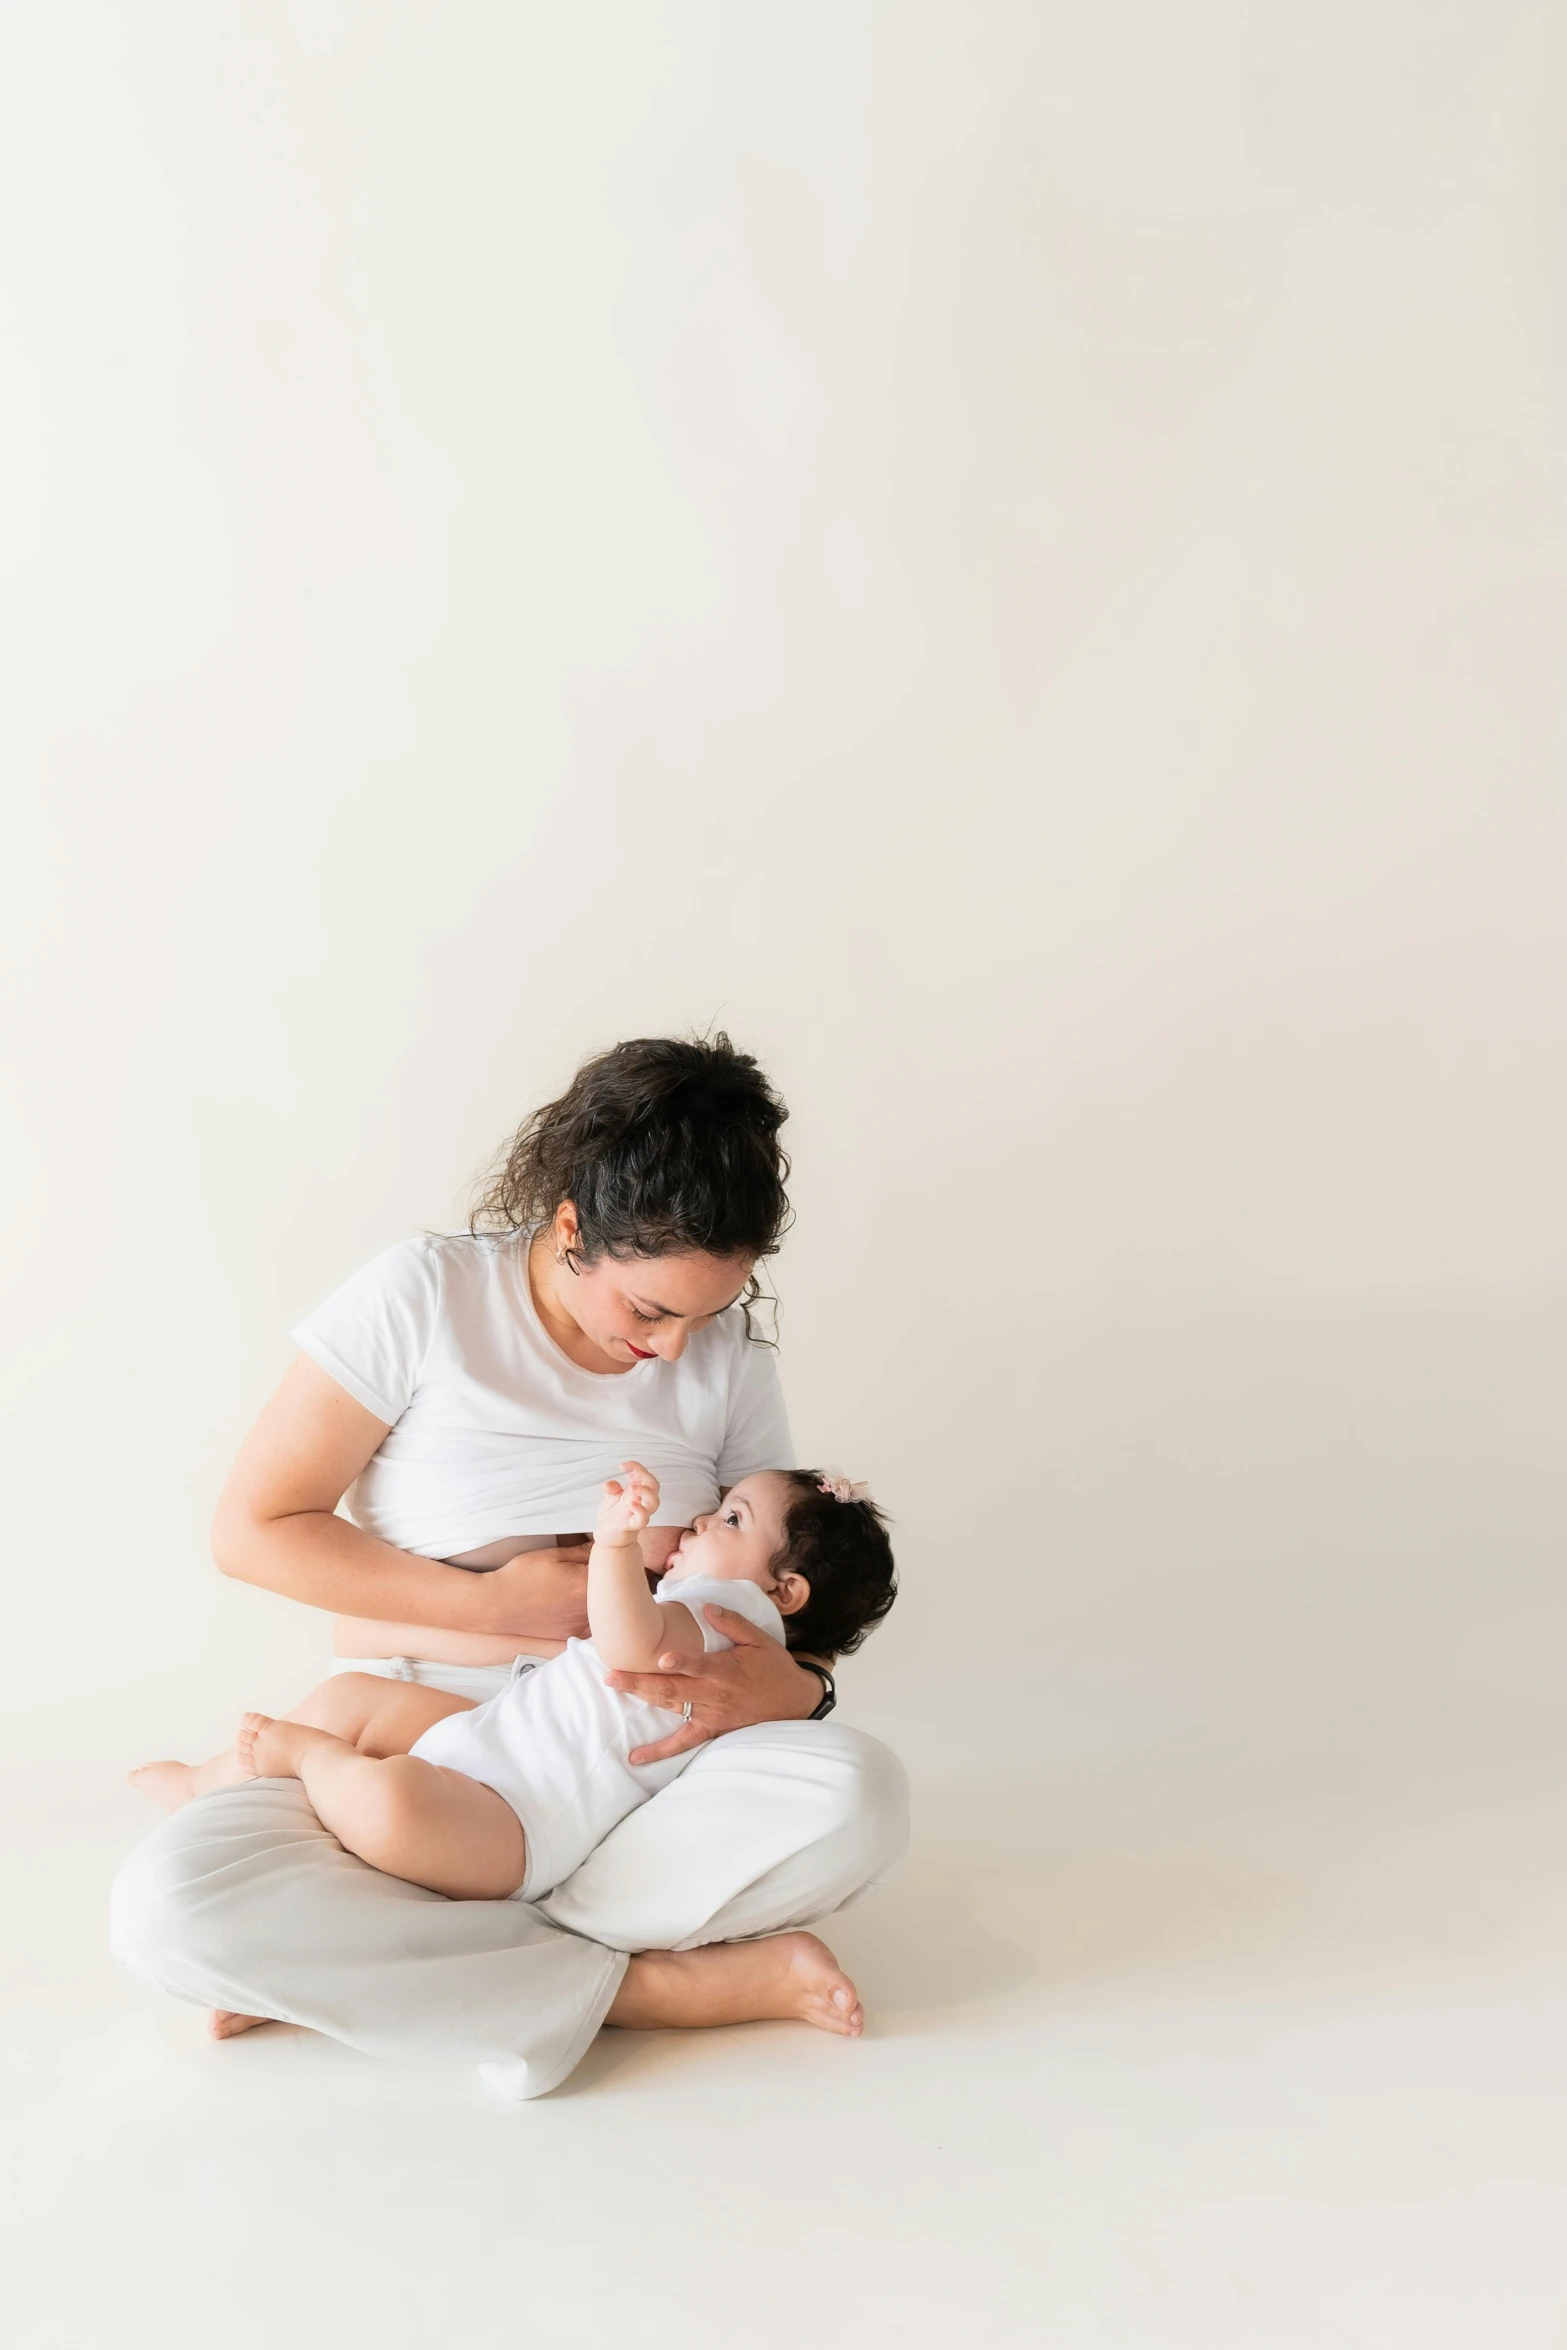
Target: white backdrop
<point>1010,553</point>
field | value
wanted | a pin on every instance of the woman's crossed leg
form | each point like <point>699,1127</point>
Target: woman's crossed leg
<point>374,1722</point>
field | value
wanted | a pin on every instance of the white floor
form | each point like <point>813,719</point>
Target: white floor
<point>1240,2042</point>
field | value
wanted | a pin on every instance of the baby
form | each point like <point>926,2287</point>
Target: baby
<point>482,1801</point>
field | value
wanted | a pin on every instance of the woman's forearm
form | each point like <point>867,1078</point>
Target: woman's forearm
<point>325,1562</point>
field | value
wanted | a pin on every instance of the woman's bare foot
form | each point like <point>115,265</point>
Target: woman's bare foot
<point>224,2024</point>
<point>170,1784</point>
<point>268,1749</point>
<point>784,1975</point>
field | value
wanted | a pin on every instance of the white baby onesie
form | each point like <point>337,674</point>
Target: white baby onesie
<point>555,1743</point>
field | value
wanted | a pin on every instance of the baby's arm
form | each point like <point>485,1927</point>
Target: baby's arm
<point>631,1631</point>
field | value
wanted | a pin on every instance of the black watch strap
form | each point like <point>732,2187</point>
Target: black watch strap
<point>829,1688</point>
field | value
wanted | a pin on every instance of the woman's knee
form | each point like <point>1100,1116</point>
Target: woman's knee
<point>182,1895</point>
<point>144,1911</point>
<point>869,1797</point>
<point>769,1827</point>
<point>163,1921</point>
<point>850,1785</point>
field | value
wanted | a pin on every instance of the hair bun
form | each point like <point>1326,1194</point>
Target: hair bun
<point>663,1146</point>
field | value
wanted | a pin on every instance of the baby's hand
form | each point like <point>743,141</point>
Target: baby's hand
<point>627,1508</point>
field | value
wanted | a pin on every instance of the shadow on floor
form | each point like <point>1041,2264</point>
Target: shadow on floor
<point>1189,1872</point>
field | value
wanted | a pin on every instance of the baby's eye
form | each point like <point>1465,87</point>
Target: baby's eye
<point>731,1517</point>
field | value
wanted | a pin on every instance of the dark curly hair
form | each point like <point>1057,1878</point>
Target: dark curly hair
<point>662,1145</point>
<point>842,1550</point>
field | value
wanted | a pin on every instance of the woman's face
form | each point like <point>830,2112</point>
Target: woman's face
<point>634,1308</point>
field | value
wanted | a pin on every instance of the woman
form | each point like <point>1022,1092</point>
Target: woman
<point>469,1394</point>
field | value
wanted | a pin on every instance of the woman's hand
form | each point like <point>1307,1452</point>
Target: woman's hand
<point>755,1681</point>
<point>539,1595</point>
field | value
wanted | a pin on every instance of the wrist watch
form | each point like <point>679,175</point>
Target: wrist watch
<point>829,1688</point>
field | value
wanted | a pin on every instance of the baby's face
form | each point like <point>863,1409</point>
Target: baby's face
<point>739,1540</point>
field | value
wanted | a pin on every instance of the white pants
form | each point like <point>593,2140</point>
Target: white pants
<point>244,1901</point>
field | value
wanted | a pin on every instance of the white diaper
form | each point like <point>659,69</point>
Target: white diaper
<point>478,1682</point>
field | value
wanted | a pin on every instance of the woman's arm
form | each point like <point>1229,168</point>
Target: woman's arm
<point>754,1681</point>
<point>275,1527</point>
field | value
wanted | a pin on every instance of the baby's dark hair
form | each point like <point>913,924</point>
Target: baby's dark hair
<point>842,1550</point>
<point>663,1145</point>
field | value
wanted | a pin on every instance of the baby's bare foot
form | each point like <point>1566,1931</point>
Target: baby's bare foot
<point>224,2024</point>
<point>169,1784</point>
<point>268,1749</point>
<point>784,1975</point>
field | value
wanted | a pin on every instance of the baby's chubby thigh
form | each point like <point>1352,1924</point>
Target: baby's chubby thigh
<point>435,1826</point>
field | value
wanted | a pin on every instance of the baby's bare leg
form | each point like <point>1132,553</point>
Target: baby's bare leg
<point>413,1819</point>
<point>378,1716</point>
<point>171,1785</point>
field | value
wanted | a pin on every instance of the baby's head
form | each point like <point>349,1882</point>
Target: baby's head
<point>825,1562</point>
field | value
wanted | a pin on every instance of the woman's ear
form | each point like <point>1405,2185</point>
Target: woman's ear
<point>567,1229</point>
<point>790,1593</point>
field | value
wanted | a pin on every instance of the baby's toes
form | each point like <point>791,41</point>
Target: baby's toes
<point>250,1729</point>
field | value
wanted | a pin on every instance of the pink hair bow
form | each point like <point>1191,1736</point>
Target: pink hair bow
<point>842,1488</point>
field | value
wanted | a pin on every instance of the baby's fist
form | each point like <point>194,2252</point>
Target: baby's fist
<point>627,1508</point>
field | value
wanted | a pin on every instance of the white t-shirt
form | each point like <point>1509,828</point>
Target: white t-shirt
<point>555,1743</point>
<point>494,1431</point>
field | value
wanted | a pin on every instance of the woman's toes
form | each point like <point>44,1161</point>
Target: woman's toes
<point>826,1996</point>
<point>832,2019</point>
<point>849,2015</point>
